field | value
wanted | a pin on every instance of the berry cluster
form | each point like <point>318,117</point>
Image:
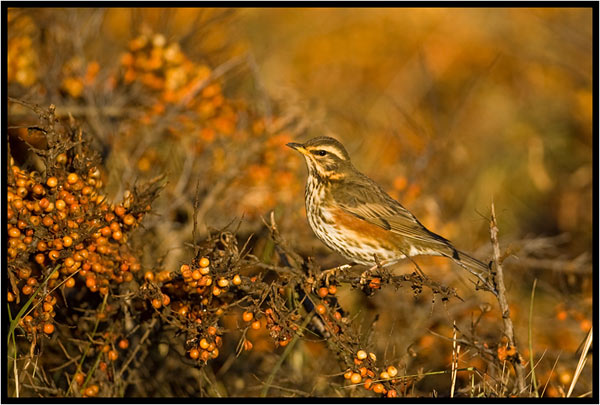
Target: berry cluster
<point>196,297</point>
<point>363,372</point>
<point>62,231</point>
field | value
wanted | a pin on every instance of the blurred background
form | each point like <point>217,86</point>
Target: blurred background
<point>448,110</point>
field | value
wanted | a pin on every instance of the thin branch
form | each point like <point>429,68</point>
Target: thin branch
<point>503,303</point>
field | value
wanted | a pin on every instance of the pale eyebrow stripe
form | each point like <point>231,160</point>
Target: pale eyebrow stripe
<point>329,149</point>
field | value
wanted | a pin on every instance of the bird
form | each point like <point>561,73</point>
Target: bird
<point>354,216</point>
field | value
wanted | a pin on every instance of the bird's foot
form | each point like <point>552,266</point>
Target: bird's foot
<point>367,274</point>
<point>331,272</point>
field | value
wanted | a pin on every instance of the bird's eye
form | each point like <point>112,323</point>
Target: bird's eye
<point>321,153</point>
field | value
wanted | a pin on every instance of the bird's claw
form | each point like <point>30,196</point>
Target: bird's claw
<point>329,272</point>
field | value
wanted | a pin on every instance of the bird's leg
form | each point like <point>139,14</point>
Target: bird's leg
<point>329,272</point>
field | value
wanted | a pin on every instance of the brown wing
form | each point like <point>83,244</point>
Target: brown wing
<point>363,198</point>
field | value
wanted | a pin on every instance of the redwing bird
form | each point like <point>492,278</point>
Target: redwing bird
<point>354,216</point>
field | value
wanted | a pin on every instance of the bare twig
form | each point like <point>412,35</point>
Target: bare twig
<point>503,303</point>
<point>137,347</point>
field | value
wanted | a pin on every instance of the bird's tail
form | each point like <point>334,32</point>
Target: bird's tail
<point>476,267</point>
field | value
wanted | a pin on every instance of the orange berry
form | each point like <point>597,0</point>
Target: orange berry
<point>332,289</point>
<point>156,303</point>
<point>375,283</point>
<point>205,355</point>
<point>72,178</point>
<point>585,325</point>
<point>237,280</point>
<point>247,345</point>
<point>38,189</point>
<point>392,394</point>
<point>51,182</point>
<point>368,384</point>
<point>223,283</point>
<point>89,392</point>
<point>194,354</point>
<point>113,355</point>
<point>90,282</point>
<point>10,297</point>
<point>70,283</point>
<point>204,262</point>
<point>196,275</point>
<point>564,377</point>
<point>67,241</point>
<point>323,291</point>
<point>378,388</point>
<point>204,343</point>
<point>255,325</point>
<point>355,378</point>
<point>128,219</point>
<point>27,289</point>
<point>48,328</point>
<point>149,276</point>
<point>79,377</point>
<point>392,371</point>
<point>166,300</point>
<point>361,355</point>
<point>58,245</point>
<point>120,210</point>
<point>24,272</point>
<point>501,353</point>
<point>247,316</point>
<point>211,330</point>
<point>348,374</point>
<point>320,309</point>
<point>14,232</point>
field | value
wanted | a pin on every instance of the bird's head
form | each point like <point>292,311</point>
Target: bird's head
<point>326,158</point>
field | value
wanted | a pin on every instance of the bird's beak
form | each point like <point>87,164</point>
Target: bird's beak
<point>297,146</point>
